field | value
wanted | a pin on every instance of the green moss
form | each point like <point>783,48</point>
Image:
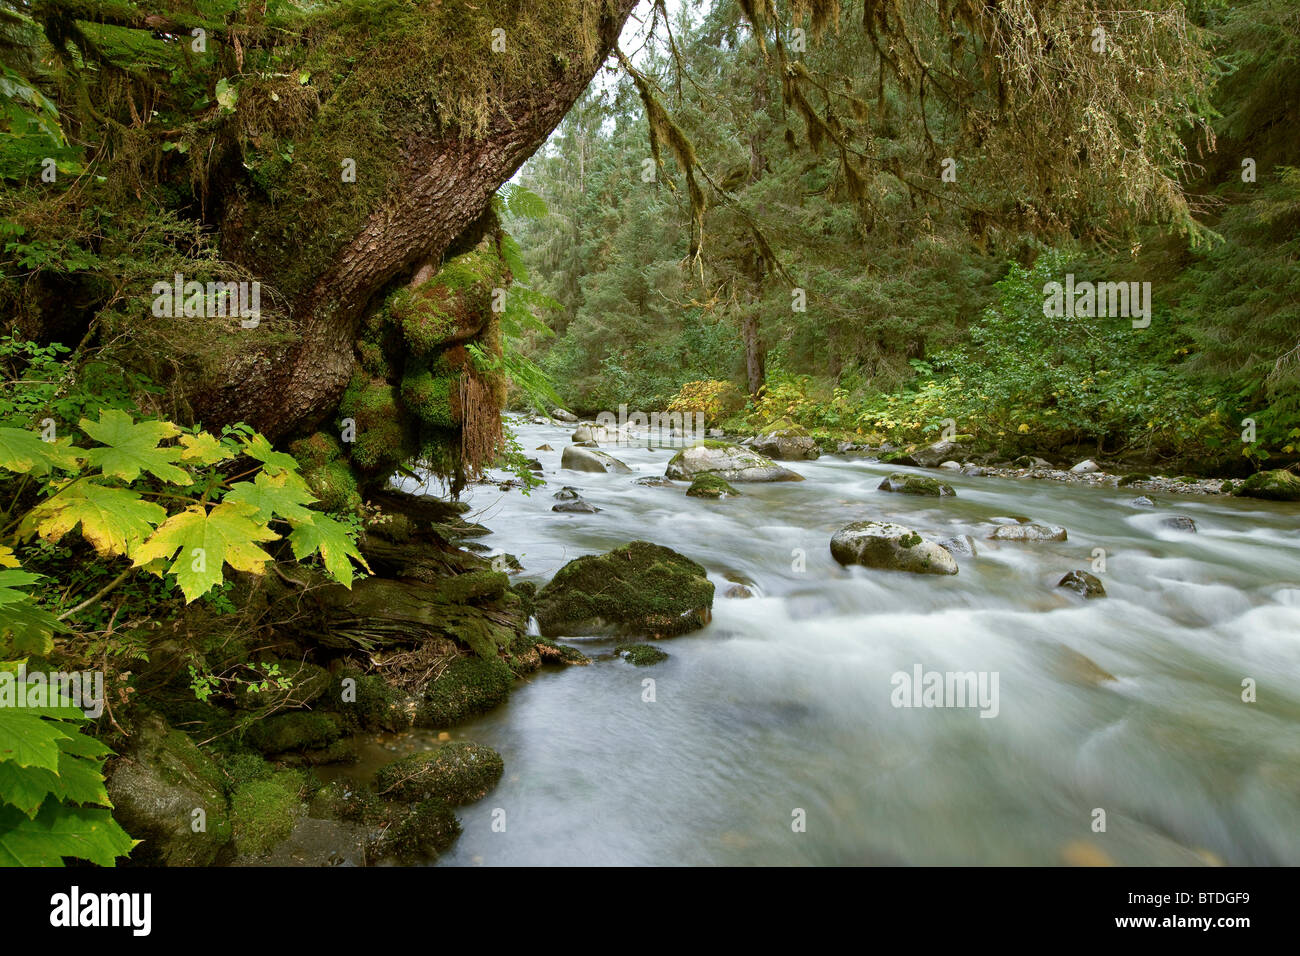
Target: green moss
<point>366,702</point>
<point>1275,485</point>
<point>1134,478</point>
<point>263,812</point>
<point>316,450</point>
<point>419,832</point>
<point>429,397</point>
<point>299,730</point>
<point>642,655</point>
<point>469,686</point>
<point>455,773</point>
<point>638,589</point>
<point>243,767</point>
<point>334,486</point>
<point>916,485</point>
<point>711,486</point>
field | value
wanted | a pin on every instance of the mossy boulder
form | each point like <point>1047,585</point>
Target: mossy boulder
<point>892,547</point>
<point>905,484</point>
<point>726,461</point>
<point>157,785</point>
<point>1275,485</point>
<point>640,589</point>
<point>469,686</point>
<point>264,812</point>
<point>785,441</point>
<point>456,773</point>
<point>295,731</point>
<point>367,702</point>
<point>711,486</point>
<point>419,832</point>
<point>642,655</point>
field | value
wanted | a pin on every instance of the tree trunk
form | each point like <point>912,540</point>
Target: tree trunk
<point>444,185</point>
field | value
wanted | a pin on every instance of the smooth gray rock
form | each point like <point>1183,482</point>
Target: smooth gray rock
<point>728,462</point>
<point>883,544</point>
<point>591,460</point>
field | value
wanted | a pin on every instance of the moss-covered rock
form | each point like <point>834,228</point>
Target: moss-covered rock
<point>906,484</point>
<point>456,773</point>
<point>418,832</point>
<point>294,731</point>
<point>263,812</point>
<point>469,686</point>
<point>335,486</point>
<point>157,786</point>
<point>1275,485</point>
<point>640,589</point>
<point>889,546</point>
<point>642,655</point>
<point>711,486</point>
<point>367,702</point>
<point>727,461</point>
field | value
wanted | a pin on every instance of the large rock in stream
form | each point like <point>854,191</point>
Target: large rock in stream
<point>591,460</point>
<point>1275,485</point>
<point>786,441</point>
<point>892,547</point>
<point>638,590</point>
<point>728,462</point>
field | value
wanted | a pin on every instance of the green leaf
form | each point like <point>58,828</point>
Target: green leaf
<point>29,740</point>
<point>274,495</point>
<point>207,540</point>
<point>204,449</point>
<point>23,451</point>
<point>227,95</point>
<point>114,520</point>
<point>275,462</point>
<point>61,831</point>
<point>133,448</point>
<point>77,781</point>
<point>330,538</point>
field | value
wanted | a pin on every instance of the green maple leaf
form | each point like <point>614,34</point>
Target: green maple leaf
<point>114,520</point>
<point>28,740</point>
<point>59,831</point>
<point>77,781</point>
<point>133,447</point>
<point>23,451</point>
<point>29,628</point>
<point>275,462</point>
<point>330,538</point>
<point>207,540</point>
<point>274,495</point>
<point>204,449</point>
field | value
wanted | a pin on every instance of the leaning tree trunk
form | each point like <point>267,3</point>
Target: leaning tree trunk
<point>442,186</point>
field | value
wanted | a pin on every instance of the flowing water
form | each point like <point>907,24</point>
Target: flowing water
<point>784,703</point>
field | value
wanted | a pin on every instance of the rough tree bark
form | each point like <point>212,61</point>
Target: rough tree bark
<point>444,186</point>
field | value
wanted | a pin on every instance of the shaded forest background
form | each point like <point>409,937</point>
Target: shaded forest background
<point>924,297</point>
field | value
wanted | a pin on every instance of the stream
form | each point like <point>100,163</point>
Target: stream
<point>784,703</point>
